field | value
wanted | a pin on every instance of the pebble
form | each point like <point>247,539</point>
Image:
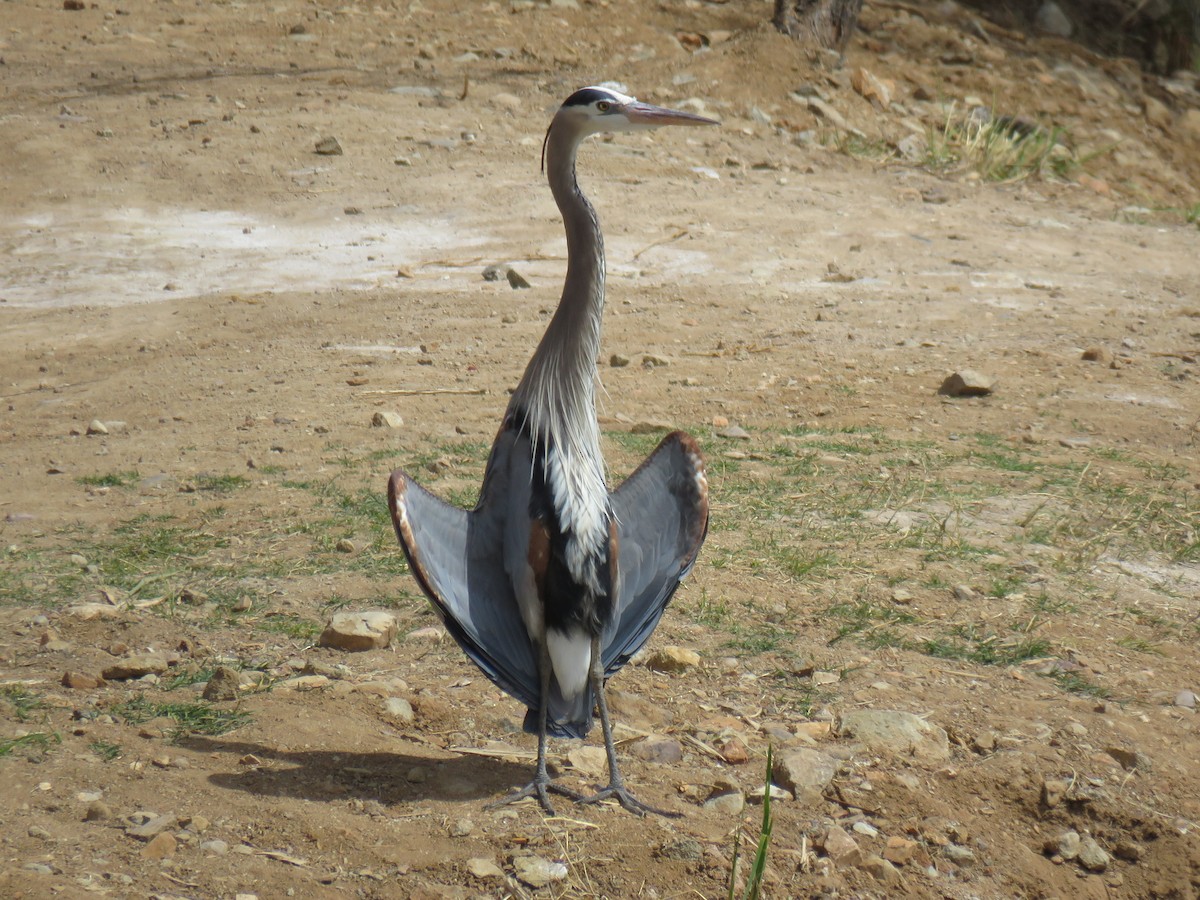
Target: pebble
<point>217,847</point>
<point>484,867</point>
<point>400,709</point>
<point>387,420</point>
<point>726,802</point>
<point>328,146</point>
<point>840,847</point>
<point>152,826</point>
<point>516,280</point>
<point>90,611</point>
<point>223,685</point>
<point>42,868</point>
<point>1097,354</point>
<point>683,849</point>
<point>462,828</point>
<point>431,634</point>
<point>1186,699</point>
<point>353,632</point>
<point>1065,846</point>
<point>879,868</point>
<point>1092,856</point>
<point>967,383</point>
<point>160,847</point>
<point>345,545</point>
<point>734,433</point>
<point>536,871</point>
<point>673,659</point>
<point>97,427</point>
<point>136,666</point>
<point>1050,19</point>
<point>79,681</point>
<point>1130,760</point>
<point>804,772</point>
<point>865,828</point>
<point>658,748</point>
<point>653,361</point>
<point>617,361</point>
<point>589,760</point>
<point>900,733</point>
<point>959,854</point>
<point>97,811</point>
<point>900,851</point>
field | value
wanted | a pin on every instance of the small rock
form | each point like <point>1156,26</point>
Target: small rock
<point>658,748</point>
<point>879,868</point>
<point>1186,699</point>
<point>1128,850</point>
<point>1053,791</point>
<point>97,811</point>
<point>78,681</point>
<point>840,847</point>
<point>964,593</point>
<point>222,685</point>
<point>984,742</point>
<point>733,750</point>
<point>1130,760</point>
<point>653,361</point>
<point>589,760</point>
<point>399,709</point>
<point>617,361</point>
<point>42,868</point>
<point>430,634</point>
<point>484,867</point>
<point>683,849</point>
<point>90,611</point>
<point>967,383</point>
<point>516,280</point>
<point>673,659</point>
<point>352,632</point>
<point>806,773</point>
<point>886,731</point>
<point>462,828</point>
<point>37,831</point>
<point>152,827</point>
<point>900,851</point>
<point>217,847</point>
<point>97,427</point>
<point>1092,856</point>
<point>866,829</point>
<point>328,146</point>
<point>160,847</point>
<point>1050,19</point>
<point>734,433</point>
<point>1097,354</point>
<point>345,545</point>
<point>726,802</point>
<point>136,666</point>
<point>1066,846</point>
<point>538,872</point>
<point>958,854</point>
<point>386,420</point>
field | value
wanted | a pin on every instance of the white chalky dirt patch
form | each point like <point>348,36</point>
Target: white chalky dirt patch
<point>125,256</point>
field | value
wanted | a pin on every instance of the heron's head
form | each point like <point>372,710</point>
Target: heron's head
<point>592,110</point>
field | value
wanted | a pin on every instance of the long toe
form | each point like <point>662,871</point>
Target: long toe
<point>629,802</point>
<point>541,788</point>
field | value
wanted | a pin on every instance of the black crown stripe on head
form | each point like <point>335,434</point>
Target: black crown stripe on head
<point>588,95</point>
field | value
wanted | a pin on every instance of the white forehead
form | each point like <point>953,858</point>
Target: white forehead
<point>616,89</point>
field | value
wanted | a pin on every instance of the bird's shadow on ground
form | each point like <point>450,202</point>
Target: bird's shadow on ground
<point>329,775</point>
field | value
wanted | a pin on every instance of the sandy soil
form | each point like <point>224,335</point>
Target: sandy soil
<point>1021,570</point>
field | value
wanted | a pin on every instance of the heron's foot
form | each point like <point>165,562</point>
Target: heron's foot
<point>541,787</point>
<point>622,795</point>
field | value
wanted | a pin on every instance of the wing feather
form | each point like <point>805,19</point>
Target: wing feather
<point>661,515</point>
<point>462,561</point>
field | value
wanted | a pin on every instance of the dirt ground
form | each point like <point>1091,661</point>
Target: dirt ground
<point>1021,570</point>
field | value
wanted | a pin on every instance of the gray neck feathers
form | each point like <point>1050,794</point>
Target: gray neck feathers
<point>558,390</point>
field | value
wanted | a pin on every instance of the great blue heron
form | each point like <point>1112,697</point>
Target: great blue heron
<point>553,582</point>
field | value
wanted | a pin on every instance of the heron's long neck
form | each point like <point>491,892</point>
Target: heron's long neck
<point>558,388</point>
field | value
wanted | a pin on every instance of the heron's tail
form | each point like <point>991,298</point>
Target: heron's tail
<point>565,718</point>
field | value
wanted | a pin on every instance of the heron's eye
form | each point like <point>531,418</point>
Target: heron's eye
<point>603,106</point>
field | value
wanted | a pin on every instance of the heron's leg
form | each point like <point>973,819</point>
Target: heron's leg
<point>616,784</point>
<point>541,786</point>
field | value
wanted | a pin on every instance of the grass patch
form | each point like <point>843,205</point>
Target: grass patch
<point>37,740</point>
<point>997,148</point>
<point>109,479</point>
<point>221,484</point>
<point>1078,684</point>
<point>862,616</point>
<point>106,751</point>
<point>198,717</point>
<point>23,701</point>
<point>294,627</point>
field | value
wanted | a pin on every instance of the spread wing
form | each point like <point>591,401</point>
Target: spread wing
<point>661,514</point>
<point>458,557</point>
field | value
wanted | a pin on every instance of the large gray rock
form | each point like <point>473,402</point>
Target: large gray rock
<point>896,734</point>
